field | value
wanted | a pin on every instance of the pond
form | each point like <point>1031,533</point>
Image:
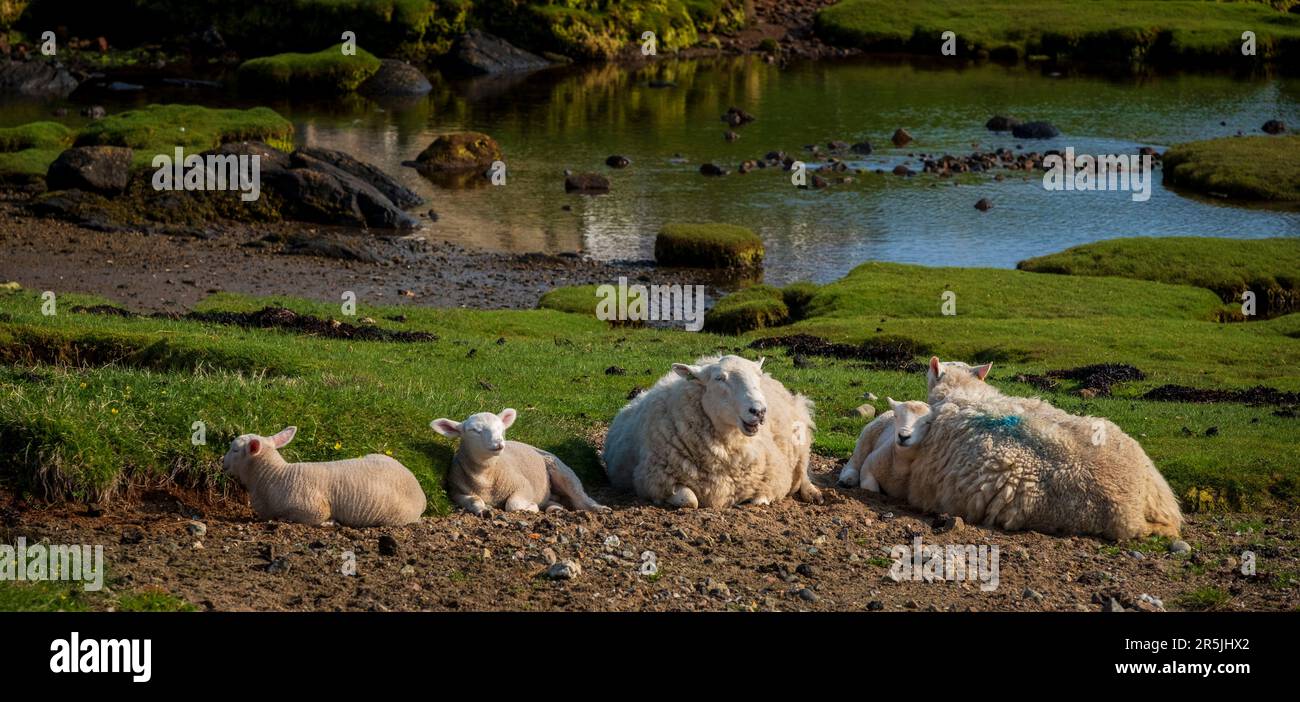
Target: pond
<point>573,118</point>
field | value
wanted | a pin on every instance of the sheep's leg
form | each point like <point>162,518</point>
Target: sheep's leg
<point>882,458</point>
<point>472,504</point>
<point>565,483</point>
<point>552,506</point>
<point>849,474</point>
<point>519,503</point>
<point>684,498</point>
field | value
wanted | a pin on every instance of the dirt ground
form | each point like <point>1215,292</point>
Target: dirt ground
<point>787,556</point>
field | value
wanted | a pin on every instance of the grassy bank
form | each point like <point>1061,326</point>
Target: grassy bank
<point>1107,30</point>
<point>1248,168</point>
<point>89,403</point>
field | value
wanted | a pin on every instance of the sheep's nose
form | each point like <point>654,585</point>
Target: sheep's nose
<point>903,438</point>
<point>759,412</point>
<point>498,445</point>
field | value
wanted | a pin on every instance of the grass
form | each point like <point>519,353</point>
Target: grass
<point>1203,599</point>
<point>159,129</point>
<point>708,245</point>
<point>595,29</point>
<point>90,403</point>
<point>26,151</point>
<point>755,307</point>
<point>1117,30</point>
<point>1248,168</point>
<point>60,596</point>
<point>1227,267</point>
<point>328,71</point>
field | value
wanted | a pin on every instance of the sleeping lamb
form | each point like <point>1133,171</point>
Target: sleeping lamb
<point>1020,463</point>
<point>887,440</point>
<point>488,471</point>
<point>375,490</point>
<point>714,434</point>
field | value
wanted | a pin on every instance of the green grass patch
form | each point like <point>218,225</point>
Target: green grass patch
<point>1268,267</point>
<point>328,71</point>
<point>1203,599</point>
<point>1247,168</point>
<point>1115,30</point>
<point>26,151</point>
<point>708,245</point>
<point>60,596</point>
<point>159,129</point>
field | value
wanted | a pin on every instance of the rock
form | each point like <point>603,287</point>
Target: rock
<point>197,529</point>
<point>336,247</point>
<point>983,205</point>
<point>901,137</point>
<point>484,54</point>
<point>564,570</point>
<point>715,588</point>
<point>875,606</point>
<point>947,522</point>
<point>735,117</point>
<point>548,555</point>
<point>617,162</point>
<point>400,195</point>
<point>865,411</point>
<point>901,170</point>
<point>998,123</point>
<point>730,135</point>
<point>804,569</point>
<point>375,208</point>
<point>808,595</point>
<point>388,546</point>
<point>862,147</point>
<point>94,112</point>
<point>1149,603</point>
<point>313,196</point>
<point>269,157</point>
<point>1180,546</point>
<point>395,79</point>
<point>1032,594</point>
<point>837,145</point>
<point>710,169</point>
<point>1112,605</point>
<point>36,78</point>
<point>101,169</point>
<point>460,151</point>
<point>588,183</point>
<point>132,535</point>
<point>1034,130</point>
<point>1274,126</point>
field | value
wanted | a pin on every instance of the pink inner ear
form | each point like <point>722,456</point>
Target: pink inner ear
<point>934,364</point>
<point>983,371</point>
<point>254,447</point>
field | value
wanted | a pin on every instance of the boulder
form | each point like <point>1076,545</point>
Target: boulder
<point>375,207</point>
<point>36,78</point>
<point>395,79</point>
<point>484,54</point>
<point>998,123</point>
<point>314,196</point>
<point>100,169</point>
<point>1274,126</point>
<point>901,137</point>
<point>590,183</point>
<point>461,151</point>
<point>270,158</point>
<point>617,161</point>
<point>1035,130</point>
<point>862,147</point>
<point>399,194</point>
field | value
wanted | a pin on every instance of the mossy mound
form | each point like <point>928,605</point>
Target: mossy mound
<point>26,152</point>
<point>159,129</point>
<point>1249,168</point>
<point>574,299</point>
<point>328,71</point>
<point>708,246</point>
<point>1268,267</point>
<point>755,307</point>
<point>461,151</point>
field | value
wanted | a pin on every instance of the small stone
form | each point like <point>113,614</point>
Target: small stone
<point>875,606</point>
<point>1032,594</point>
<point>548,554</point>
<point>805,570</point>
<point>983,205</point>
<point>901,137</point>
<point>947,522</point>
<point>388,546</point>
<point>1180,546</point>
<point>865,411</point>
<point>197,529</point>
<point>407,570</point>
<point>564,570</point>
<point>1113,605</point>
<point>808,595</point>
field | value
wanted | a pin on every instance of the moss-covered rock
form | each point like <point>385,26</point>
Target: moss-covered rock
<point>328,71</point>
<point>159,129</point>
<point>26,152</point>
<point>574,299</point>
<point>708,245</point>
<point>755,307</point>
<point>1249,168</point>
<point>461,151</point>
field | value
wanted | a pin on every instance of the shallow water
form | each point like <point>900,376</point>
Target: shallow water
<point>575,118</point>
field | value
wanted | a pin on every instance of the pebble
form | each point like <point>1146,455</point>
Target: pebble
<point>197,529</point>
<point>1032,594</point>
<point>1113,605</point>
<point>875,606</point>
<point>564,570</point>
<point>808,595</point>
<point>805,570</point>
<point>1180,546</point>
<point>549,555</point>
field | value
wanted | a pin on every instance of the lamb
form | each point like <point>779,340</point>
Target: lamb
<point>490,472</point>
<point>715,434</point>
<point>1020,463</point>
<point>890,438</point>
<point>375,490</point>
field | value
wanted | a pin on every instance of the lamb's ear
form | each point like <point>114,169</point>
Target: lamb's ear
<point>687,372</point>
<point>254,447</point>
<point>508,416</point>
<point>892,403</point>
<point>935,370</point>
<point>982,372</point>
<point>760,362</point>
<point>284,437</point>
<point>446,427</point>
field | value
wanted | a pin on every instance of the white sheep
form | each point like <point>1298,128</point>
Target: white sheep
<point>715,434</point>
<point>890,438</point>
<point>488,471</point>
<point>1020,463</point>
<point>375,490</point>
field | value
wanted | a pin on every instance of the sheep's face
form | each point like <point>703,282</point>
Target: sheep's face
<point>482,436</point>
<point>948,371</point>
<point>244,448</point>
<point>733,393</point>
<point>911,419</point>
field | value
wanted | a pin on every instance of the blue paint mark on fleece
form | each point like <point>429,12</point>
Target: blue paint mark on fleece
<point>1008,424</point>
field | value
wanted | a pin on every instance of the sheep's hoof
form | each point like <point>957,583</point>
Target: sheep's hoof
<point>811,494</point>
